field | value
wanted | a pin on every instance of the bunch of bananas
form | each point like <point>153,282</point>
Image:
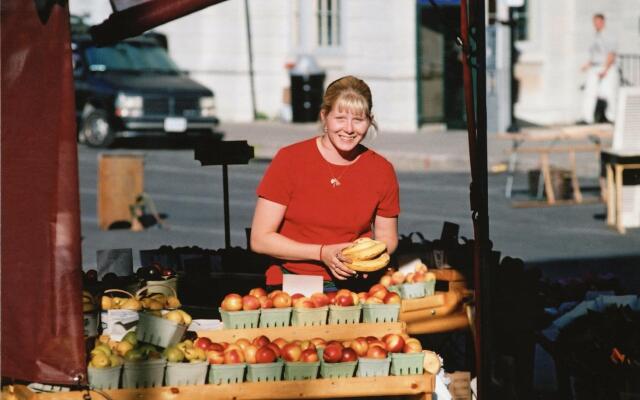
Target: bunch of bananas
<point>366,255</point>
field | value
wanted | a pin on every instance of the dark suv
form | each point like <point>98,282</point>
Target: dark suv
<point>133,88</point>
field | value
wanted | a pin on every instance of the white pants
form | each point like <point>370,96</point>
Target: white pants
<point>605,89</point>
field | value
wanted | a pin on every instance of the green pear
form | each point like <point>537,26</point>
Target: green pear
<point>146,348</point>
<point>100,360</point>
<point>173,354</point>
<point>115,360</point>
<point>131,338</point>
<point>134,355</point>
<point>103,348</point>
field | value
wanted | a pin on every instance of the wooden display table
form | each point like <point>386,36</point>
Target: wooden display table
<point>616,162</point>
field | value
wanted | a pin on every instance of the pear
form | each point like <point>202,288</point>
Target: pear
<point>191,353</point>
<point>106,303</point>
<point>174,316</point>
<point>186,318</point>
<point>173,302</point>
<point>123,347</point>
<point>173,354</point>
<point>154,305</point>
<point>102,347</point>
<point>131,338</point>
<point>134,355</point>
<point>100,360</point>
<point>131,304</point>
<point>116,360</point>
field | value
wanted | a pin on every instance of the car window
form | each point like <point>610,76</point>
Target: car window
<point>130,57</point>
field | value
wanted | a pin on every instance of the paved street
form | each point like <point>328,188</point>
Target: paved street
<point>191,197</point>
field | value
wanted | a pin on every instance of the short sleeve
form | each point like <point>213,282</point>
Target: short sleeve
<point>277,183</point>
<point>389,205</point>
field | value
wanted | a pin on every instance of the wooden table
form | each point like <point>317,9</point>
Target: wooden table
<point>615,163</point>
<point>564,139</point>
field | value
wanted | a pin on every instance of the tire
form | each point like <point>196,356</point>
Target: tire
<point>96,130</point>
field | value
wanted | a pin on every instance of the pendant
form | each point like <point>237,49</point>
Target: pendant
<point>334,182</point>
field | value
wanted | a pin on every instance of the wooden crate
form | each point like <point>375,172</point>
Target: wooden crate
<point>120,181</point>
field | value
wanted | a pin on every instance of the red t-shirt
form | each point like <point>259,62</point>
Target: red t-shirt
<point>299,178</point>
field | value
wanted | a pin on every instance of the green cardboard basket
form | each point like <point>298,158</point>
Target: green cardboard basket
<point>299,371</point>
<point>412,290</point>
<point>104,378</point>
<point>309,316</point>
<point>379,313</point>
<point>344,315</point>
<point>407,363</point>
<point>239,319</point>
<point>181,373</point>
<point>143,374</point>
<point>373,366</point>
<point>395,288</point>
<point>268,372</point>
<point>275,317</point>
<point>429,287</point>
<point>158,331</point>
<point>337,370</point>
<point>226,373</point>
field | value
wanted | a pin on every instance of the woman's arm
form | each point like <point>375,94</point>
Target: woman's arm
<point>265,239</point>
<point>386,230</point>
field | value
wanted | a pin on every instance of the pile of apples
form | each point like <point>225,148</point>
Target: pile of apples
<point>379,294</point>
<point>260,350</point>
<point>258,298</point>
<point>370,347</point>
<point>420,274</point>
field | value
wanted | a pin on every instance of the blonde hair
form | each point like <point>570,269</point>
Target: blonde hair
<point>349,93</point>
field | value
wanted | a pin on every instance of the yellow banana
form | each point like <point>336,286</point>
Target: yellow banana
<point>364,249</point>
<point>370,265</point>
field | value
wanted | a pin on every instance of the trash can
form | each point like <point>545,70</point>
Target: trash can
<point>307,88</point>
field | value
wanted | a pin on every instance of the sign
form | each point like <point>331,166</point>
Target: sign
<point>304,284</point>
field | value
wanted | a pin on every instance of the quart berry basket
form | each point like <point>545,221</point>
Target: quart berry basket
<point>429,287</point>
<point>104,378</point>
<point>143,374</point>
<point>309,316</point>
<point>275,317</point>
<point>158,331</point>
<point>407,363</point>
<point>379,313</point>
<point>181,374</point>
<point>226,373</point>
<point>268,372</point>
<point>337,370</point>
<point>239,319</point>
<point>395,289</point>
<point>412,290</point>
<point>299,371</point>
<point>344,315</point>
<point>373,366</point>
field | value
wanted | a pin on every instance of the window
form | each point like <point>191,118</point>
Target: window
<point>328,19</point>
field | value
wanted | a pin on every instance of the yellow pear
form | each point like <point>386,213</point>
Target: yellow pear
<point>116,360</point>
<point>102,347</point>
<point>100,360</point>
<point>154,305</point>
<point>159,297</point>
<point>131,304</point>
<point>106,303</point>
<point>174,316</point>
<point>185,317</point>
<point>123,347</point>
<point>191,353</point>
<point>173,302</point>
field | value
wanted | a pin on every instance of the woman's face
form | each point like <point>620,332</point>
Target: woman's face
<point>345,129</point>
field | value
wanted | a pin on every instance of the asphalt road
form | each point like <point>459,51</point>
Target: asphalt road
<point>191,197</point>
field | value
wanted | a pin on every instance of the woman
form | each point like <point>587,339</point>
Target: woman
<point>319,195</point>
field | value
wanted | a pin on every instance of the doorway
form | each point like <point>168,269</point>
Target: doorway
<point>439,66</point>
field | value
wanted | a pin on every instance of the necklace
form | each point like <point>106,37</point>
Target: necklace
<point>335,182</point>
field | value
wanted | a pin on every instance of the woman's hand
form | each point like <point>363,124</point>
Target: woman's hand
<point>331,257</point>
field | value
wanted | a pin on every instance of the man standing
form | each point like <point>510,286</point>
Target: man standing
<point>603,79</point>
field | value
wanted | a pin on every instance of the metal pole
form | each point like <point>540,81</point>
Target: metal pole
<point>513,125</point>
<point>250,50</point>
<point>225,194</point>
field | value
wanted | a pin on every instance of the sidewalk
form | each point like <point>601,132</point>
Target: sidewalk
<point>432,148</point>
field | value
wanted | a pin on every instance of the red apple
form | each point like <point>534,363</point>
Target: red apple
<point>275,349</point>
<point>296,296</point>
<point>349,355</point>
<point>360,346</point>
<point>332,354</point>
<point>216,346</point>
<point>346,343</point>
<point>392,298</point>
<point>203,343</point>
<point>309,355</point>
<point>376,352</point>
<point>250,353</point>
<point>261,341</point>
<point>215,357</point>
<point>397,278</point>
<point>280,342</point>
<point>265,302</point>
<point>374,300</point>
<point>334,343</point>
<point>243,343</point>
<point>378,291</point>
<point>291,352</point>
<point>418,276</point>
<point>421,268</point>
<point>412,345</point>
<point>304,302</point>
<point>224,345</point>
<point>307,344</point>
<point>332,297</point>
<point>371,339</point>
<point>378,343</point>
<point>273,294</point>
<point>363,296</point>
<point>233,356</point>
<point>344,301</point>
<point>250,302</point>
<point>320,343</point>
<point>320,299</point>
<point>232,302</point>
<point>394,343</point>
<point>265,354</point>
<point>281,300</point>
<point>258,292</point>
<point>385,280</point>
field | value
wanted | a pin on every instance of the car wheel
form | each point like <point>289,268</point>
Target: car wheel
<point>96,130</point>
